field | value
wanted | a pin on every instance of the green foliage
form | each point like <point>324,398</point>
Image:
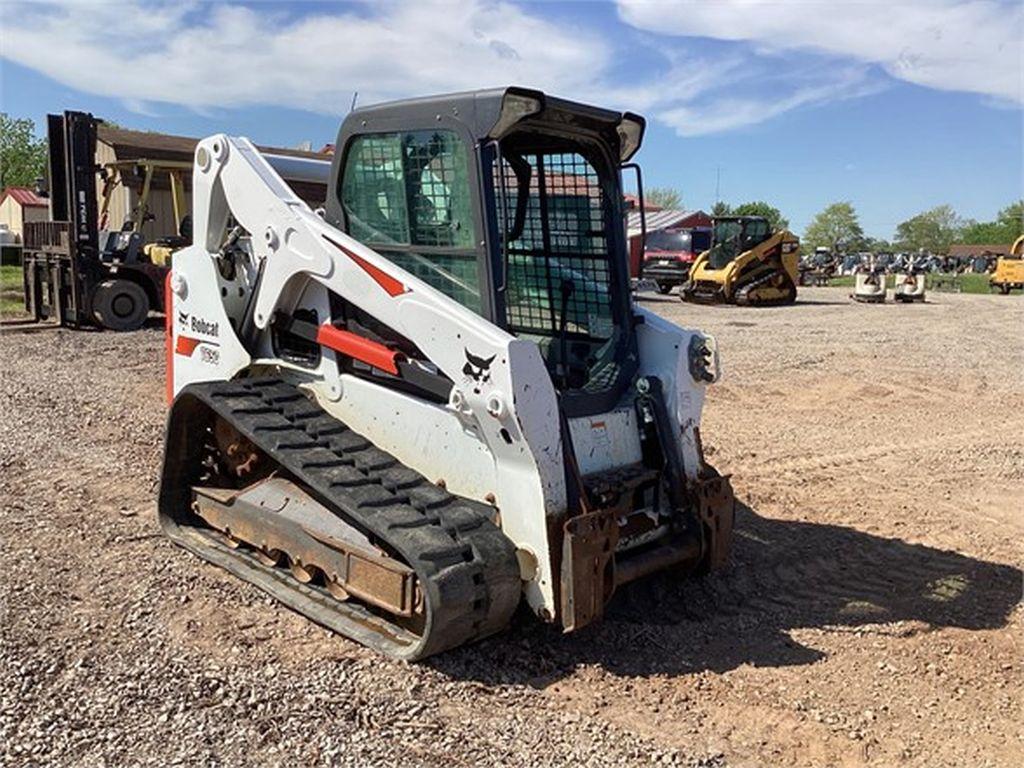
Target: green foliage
<point>836,228</point>
<point>721,208</point>
<point>22,154</point>
<point>664,197</point>
<point>934,230</point>
<point>761,208</point>
<point>877,245</point>
<point>11,298</point>
<point>1008,226</point>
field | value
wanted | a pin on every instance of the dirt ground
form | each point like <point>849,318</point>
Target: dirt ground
<point>871,614</point>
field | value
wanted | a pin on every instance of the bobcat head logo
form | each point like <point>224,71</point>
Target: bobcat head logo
<point>182,318</point>
<point>478,368</point>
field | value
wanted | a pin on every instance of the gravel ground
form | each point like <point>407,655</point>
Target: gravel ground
<point>870,616</point>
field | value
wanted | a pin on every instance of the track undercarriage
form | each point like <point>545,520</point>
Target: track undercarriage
<point>771,289</point>
<point>259,481</point>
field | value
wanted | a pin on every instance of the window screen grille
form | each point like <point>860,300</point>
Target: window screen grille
<point>404,191</point>
<point>563,240</point>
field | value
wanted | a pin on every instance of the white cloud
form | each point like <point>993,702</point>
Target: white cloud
<point>729,112</point>
<point>972,46</point>
<point>207,56</point>
<point>214,55</point>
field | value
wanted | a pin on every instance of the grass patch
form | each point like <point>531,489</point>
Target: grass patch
<point>969,283</point>
<point>12,300</point>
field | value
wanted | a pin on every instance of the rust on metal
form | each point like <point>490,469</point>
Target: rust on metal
<point>239,453</point>
<point>680,552</point>
<point>283,524</point>
<point>588,567</point>
<point>716,507</point>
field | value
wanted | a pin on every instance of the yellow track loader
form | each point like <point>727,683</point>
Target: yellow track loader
<point>746,264</point>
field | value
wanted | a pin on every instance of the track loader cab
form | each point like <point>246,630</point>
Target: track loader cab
<point>438,399</point>
<point>510,203</point>
<point>746,264</point>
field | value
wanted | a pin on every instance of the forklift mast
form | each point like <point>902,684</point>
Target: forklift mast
<point>61,256</point>
<point>72,168</point>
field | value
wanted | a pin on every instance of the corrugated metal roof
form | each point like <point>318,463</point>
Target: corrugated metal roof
<point>24,197</point>
<point>656,220</point>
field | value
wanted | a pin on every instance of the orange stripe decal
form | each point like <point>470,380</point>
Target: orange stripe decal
<point>187,345</point>
<point>392,286</point>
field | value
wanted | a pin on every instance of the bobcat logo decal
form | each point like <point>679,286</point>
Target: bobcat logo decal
<point>478,368</point>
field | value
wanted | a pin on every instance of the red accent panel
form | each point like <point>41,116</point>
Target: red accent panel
<point>169,337</point>
<point>359,348</point>
<point>187,345</point>
<point>383,279</point>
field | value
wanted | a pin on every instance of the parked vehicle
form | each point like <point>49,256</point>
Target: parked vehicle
<point>870,280</point>
<point>1009,271</point>
<point>398,441</point>
<point>909,281</point>
<point>669,254</point>
<point>747,264</point>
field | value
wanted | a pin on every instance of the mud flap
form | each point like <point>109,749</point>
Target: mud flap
<point>716,506</point>
<point>588,567</point>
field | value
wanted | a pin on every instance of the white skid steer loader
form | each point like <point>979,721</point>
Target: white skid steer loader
<point>910,281</point>
<point>406,413</point>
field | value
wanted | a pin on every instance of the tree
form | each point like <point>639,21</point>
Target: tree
<point>934,230</point>
<point>22,154</point>
<point>721,209</point>
<point>984,233</point>
<point>876,245</point>
<point>761,208</point>
<point>1008,226</point>
<point>664,197</point>
<point>836,228</point>
<point>1012,217</point>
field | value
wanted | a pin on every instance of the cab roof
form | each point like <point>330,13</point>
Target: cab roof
<point>493,113</point>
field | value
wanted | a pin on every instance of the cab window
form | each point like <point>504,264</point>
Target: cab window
<point>407,196</point>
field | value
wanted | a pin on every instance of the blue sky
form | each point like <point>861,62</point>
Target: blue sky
<point>896,106</point>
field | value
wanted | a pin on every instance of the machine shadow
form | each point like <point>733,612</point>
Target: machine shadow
<point>822,302</point>
<point>784,575</point>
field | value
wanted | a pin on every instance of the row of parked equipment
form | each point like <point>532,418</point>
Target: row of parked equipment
<point>871,285</point>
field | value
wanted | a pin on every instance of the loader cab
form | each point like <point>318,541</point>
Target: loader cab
<point>734,235</point>
<point>510,202</point>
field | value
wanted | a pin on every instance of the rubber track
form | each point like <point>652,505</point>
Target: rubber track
<point>742,295</point>
<point>467,568</point>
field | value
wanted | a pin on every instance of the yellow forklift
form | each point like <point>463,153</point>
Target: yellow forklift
<point>77,272</point>
<point>747,264</point>
<point>130,173</point>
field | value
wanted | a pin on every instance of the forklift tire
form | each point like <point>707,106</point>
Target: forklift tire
<point>665,288</point>
<point>120,305</point>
